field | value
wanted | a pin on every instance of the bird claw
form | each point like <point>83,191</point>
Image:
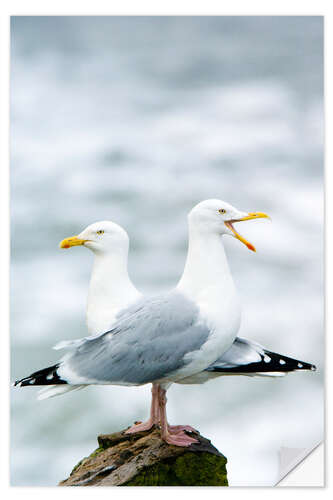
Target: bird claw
<point>140,427</point>
<point>180,439</point>
<point>175,429</point>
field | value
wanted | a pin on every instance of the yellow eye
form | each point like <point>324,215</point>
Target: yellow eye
<point>100,231</point>
<point>222,211</point>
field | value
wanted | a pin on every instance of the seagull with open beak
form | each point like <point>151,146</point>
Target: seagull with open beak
<point>176,337</point>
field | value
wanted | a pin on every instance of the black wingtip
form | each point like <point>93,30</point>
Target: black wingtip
<point>270,362</point>
<point>302,365</point>
<point>47,376</point>
<point>22,382</point>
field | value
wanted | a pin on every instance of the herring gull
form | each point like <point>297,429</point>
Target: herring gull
<point>174,336</point>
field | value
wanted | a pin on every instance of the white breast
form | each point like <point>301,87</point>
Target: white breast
<point>110,291</point>
<point>99,320</point>
<point>221,314</point>
<point>102,311</point>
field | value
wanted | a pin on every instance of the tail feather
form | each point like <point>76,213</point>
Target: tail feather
<point>47,376</point>
<point>57,390</point>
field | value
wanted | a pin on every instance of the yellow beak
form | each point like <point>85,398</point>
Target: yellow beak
<point>254,215</point>
<point>250,216</point>
<point>72,241</point>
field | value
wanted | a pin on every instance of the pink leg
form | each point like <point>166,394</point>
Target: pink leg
<point>154,414</point>
<point>174,429</point>
<point>177,439</point>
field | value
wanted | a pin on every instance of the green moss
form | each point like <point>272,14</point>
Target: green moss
<point>104,443</point>
<point>190,469</point>
<point>96,452</point>
<point>93,454</point>
<point>77,466</point>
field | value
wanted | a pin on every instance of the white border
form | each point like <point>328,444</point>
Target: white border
<point>172,7</point>
<point>131,7</point>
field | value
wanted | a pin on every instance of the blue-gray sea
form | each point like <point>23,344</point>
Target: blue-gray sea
<point>136,119</point>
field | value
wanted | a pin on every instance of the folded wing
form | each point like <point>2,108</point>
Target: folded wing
<point>246,357</point>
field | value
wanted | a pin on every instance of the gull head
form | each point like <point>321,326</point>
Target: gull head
<point>217,216</point>
<point>101,237</point>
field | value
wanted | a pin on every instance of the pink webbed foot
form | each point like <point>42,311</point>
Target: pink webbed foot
<point>140,427</point>
<point>175,429</point>
<point>180,439</point>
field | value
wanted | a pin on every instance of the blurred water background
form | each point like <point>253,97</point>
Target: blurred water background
<point>136,120</point>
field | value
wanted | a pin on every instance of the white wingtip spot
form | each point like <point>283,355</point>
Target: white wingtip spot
<point>267,359</point>
<point>49,377</point>
<point>32,381</point>
<point>282,362</point>
<point>299,365</point>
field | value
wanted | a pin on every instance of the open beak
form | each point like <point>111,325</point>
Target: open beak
<point>249,216</point>
<point>72,241</point>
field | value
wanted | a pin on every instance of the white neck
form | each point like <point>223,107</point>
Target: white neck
<point>206,263</point>
<point>110,290</point>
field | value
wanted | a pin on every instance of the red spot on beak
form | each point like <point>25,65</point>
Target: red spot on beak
<point>250,247</point>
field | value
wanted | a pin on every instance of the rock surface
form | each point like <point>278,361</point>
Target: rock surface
<point>143,459</point>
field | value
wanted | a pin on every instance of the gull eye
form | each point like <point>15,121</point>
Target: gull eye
<point>100,231</point>
<point>222,211</point>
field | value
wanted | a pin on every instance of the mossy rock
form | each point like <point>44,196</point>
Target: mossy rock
<point>190,469</point>
<point>143,459</point>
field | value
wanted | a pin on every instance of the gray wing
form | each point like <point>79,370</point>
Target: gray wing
<point>242,352</point>
<point>148,342</point>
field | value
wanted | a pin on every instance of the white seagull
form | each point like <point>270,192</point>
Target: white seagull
<point>187,335</point>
